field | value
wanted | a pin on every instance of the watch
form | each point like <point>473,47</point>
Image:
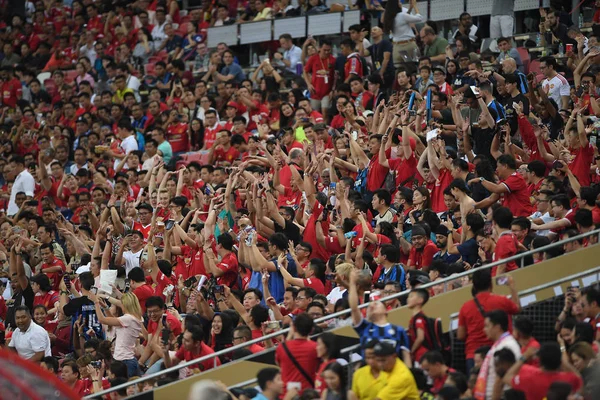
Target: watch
<point>481,179</point>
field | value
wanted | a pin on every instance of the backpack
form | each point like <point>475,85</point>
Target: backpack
<point>366,68</point>
<point>435,338</point>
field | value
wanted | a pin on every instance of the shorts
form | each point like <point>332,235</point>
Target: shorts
<point>320,104</point>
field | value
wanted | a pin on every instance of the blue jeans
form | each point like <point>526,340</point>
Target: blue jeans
<point>133,369</point>
<point>156,367</point>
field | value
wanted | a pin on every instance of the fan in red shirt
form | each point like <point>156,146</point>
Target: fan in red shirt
<point>353,65</point>
<point>223,152</point>
<point>303,350</point>
<point>314,278</point>
<point>12,90</point>
<point>422,250</point>
<point>192,347</point>
<point>178,134</point>
<point>512,188</point>
<point>212,127</point>
<point>471,314</point>
<point>582,153</point>
<point>319,71</point>
<point>140,288</point>
<point>534,382</point>
<point>226,270</point>
<point>71,376</point>
<point>522,331</point>
<point>507,243</point>
<point>53,267</point>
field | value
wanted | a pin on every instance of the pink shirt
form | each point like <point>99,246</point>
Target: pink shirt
<point>127,335</point>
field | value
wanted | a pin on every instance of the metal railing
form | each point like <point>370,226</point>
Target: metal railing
<point>326,318</point>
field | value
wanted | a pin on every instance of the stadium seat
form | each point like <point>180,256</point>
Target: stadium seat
<point>42,76</point>
<point>150,69</point>
<point>534,66</point>
<point>524,53</point>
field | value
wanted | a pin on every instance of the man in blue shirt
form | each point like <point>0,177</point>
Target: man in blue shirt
<point>230,71</point>
<point>270,383</point>
<point>376,325</point>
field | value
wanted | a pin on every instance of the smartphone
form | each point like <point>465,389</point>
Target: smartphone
<point>569,47</point>
<point>557,165</point>
<point>96,364</point>
<point>332,186</point>
<point>330,277</point>
<point>501,280</point>
<point>94,289</point>
<point>164,335</point>
<point>355,135</point>
<point>475,90</point>
<point>127,285</point>
<point>487,228</point>
<point>169,224</point>
<point>367,296</point>
<point>67,280</point>
<point>219,289</point>
<point>189,282</point>
<point>118,203</point>
<point>294,386</point>
<point>593,140</point>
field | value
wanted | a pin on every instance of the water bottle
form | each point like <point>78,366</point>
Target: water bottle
<point>334,51</point>
<point>561,49</point>
<point>298,68</point>
<point>580,19</point>
<point>538,40</point>
<point>255,60</point>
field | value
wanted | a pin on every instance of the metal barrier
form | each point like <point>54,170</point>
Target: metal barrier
<point>214,356</point>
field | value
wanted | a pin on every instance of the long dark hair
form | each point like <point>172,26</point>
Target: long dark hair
<point>392,8</point>
<point>197,137</point>
<point>338,369</point>
<point>387,230</point>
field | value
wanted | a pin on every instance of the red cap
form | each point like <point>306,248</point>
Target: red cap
<point>233,104</point>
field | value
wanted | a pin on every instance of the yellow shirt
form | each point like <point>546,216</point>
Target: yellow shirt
<point>264,14</point>
<point>120,94</point>
<point>365,386</point>
<point>400,384</point>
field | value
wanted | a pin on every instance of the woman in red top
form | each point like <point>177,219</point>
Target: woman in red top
<point>328,351</point>
<point>44,295</point>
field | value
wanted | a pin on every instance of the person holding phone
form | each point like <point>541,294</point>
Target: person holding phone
<point>192,347</point>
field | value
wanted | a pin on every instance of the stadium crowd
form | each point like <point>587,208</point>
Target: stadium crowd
<point>160,202</point>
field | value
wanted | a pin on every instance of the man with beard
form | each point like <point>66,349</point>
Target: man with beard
<point>441,239</point>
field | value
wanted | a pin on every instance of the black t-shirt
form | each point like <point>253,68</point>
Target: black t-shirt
<point>511,115</point>
<point>377,51</point>
<point>447,120</point>
<point>291,230</point>
<point>555,125</point>
<point>20,298</point>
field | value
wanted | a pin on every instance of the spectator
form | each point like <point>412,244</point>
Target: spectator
<point>503,20</point>
<point>297,356</point>
<point>472,313</point>
<point>496,330</point>
<point>30,340</point>
<point>435,47</point>
<point>400,383</point>
<point>270,383</point>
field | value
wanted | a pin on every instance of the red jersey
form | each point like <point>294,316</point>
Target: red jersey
<point>144,230</point>
<point>305,353</point>
<point>229,266</point>
<point>289,198</point>
<point>318,117</point>
<point>196,257</point>
<point>55,277</point>
<point>316,284</point>
<point>437,193</point>
<point>185,355</point>
<point>210,136</point>
<point>535,382</point>
<point>353,66</point>
<point>471,318</point>
<point>143,293</point>
<point>418,322</point>
<point>404,169</point>
<point>12,91</point>
<point>177,135</point>
<point>505,247</point>
<point>517,197</point>
<point>376,172</point>
<point>580,165</point>
<point>47,300</point>
<point>226,156</point>
<point>322,75</point>
<point>535,345</point>
<point>310,235</point>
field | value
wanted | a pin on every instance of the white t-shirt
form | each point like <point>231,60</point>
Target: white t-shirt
<point>128,145</point>
<point>32,341</point>
<point>132,260</point>
<point>25,183</point>
<point>558,87</point>
<point>335,294</point>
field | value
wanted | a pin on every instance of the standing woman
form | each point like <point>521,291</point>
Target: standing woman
<point>128,328</point>
<point>397,22</point>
